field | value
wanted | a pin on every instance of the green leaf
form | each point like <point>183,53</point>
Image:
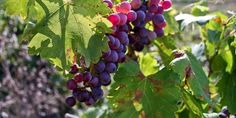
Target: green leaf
<point>68,34</point>
<point>227,88</point>
<point>198,10</point>
<point>213,35</point>
<point>125,82</point>
<point>192,103</point>
<point>198,80</point>
<point>90,7</point>
<point>17,7</point>
<point>160,94</point>
<point>148,64</point>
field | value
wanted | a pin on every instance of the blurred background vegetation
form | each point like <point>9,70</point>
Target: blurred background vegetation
<point>31,88</point>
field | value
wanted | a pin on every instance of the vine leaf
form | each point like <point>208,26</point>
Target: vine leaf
<point>156,95</point>
<point>65,33</point>
<point>227,88</point>
<point>90,7</point>
<point>198,80</point>
<point>148,64</point>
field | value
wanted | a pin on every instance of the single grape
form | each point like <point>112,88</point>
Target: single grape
<point>121,57</point>
<point>121,48</point>
<point>115,45</point>
<point>161,25</point>
<point>153,9</point>
<point>143,8</point>
<point>83,96</point>
<point>111,39</point>
<point>132,16</point>
<point>87,76</point>
<point>113,57</point>
<point>140,15</point>
<point>105,78</point>
<point>149,17</point>
<point>94,82</point>
<point>153,2</point>
<point>160,10</point>
<point>123,19</point>
<point>225,110</point>
<point>74,69</point>
<point>135,4</point>
<point>110,67</point>
<point>151,35</point>
<point>97,93</point>
<point>158,19</point>
<point>90,101</point>
<point>166,4</point>
<point>106,54</point>
<point>124,28</point>
<point>99,67</point>
<point>114,19</point>
<point>143,32</point>
<point>145,41</point>
<point>222,115</point>
<point>124,7</point>
<point>70,101</point>
<point>109,3</point>
<point>159,32</point>
<point>78,78</point>
<point>71,84</point>
<point>123,37</point>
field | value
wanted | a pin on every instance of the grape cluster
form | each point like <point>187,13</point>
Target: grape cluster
<point>150,12</point>
<point>224,113</point>
<point>128,27</point>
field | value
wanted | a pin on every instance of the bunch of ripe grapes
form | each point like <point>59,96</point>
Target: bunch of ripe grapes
<point>129,20</point>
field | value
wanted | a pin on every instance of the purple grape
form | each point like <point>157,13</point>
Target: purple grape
<point>105,78</point>
<point>123,19</point>
<point>87,76</point>
<point>90,101</point>
<point>153,9</point>
<point>100,66</point>
<point>140,15</point>
<point>159,32</point>
<point>71,84</point>
<point>70,101</point>
<point>121,57</point>
<point>166,4</point>
<point>78,78</point>
<point>124,49</point>
<point>160,10</point>
<point>109,3</point>
<point>74,69</point>
<point>135,4</point>
<point>110,67</point>
<point>132,16</point>
<point>94,82</point>
<point>154,2</point>
<point>111,39</point>
<point>158,19</point>
<point>115,45</point>
<point>124,28</point>
<point>225,110</point>
<point>149,17</point>
<point>76,93</point>
<point>145,41</point>
<point>120,49</point>
<point>222,115</point>
<point>143,32</point>
<point>106,54</point>
<point>123,37</point>
<point>97,93</point>
<point>83,96</point>
<point>143,8</point>
<point>124,7</point>
<point>151,35</point>
<point>113,57</point>
<point>114,19</point>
